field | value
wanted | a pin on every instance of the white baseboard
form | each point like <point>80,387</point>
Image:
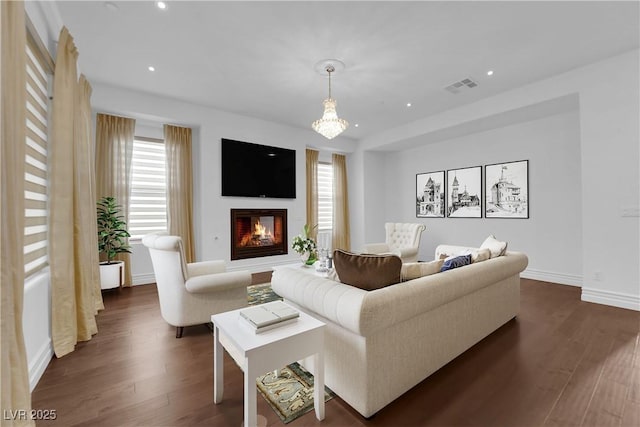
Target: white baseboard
<point>40,363</point>
<point>143,279</point>
<point>616,299</point>
<point>548,276</point>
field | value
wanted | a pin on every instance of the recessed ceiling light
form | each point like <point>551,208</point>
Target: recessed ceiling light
<point>356,125</point>
<point>151,68</point>
<point>161,5</point>
<point>490,73</point>
<point>408,104</point>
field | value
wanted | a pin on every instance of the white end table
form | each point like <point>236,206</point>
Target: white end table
<point>257,354</point>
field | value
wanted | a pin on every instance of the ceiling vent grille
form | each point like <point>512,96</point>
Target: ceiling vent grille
<point>457,87</point>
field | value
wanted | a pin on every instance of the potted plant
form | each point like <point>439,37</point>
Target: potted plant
<point>305,246</point>
<point>112,240</point>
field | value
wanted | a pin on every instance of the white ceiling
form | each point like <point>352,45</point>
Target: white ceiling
<point>257,58</point>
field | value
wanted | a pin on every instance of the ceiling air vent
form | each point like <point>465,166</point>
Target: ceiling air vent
<point>457,87</point>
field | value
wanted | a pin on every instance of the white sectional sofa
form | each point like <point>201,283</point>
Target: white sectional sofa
<point>381,343</point>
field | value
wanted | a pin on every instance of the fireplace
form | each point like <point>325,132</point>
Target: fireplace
<point>258,232</point>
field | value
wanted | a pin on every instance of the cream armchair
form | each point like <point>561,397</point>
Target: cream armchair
<point>190,293</point>
<point>403,239</point>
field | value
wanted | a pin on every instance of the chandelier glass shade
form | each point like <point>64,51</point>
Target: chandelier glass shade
<point>330,125</point>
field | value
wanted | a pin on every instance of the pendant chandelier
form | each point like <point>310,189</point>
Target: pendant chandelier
<point>330,125</point>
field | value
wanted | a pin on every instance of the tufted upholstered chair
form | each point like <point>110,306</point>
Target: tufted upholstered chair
<point>403,239</point>
<point>190,293</point>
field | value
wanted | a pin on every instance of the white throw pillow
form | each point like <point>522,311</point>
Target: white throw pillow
<point>413,270</point>
<point>480,255</point>
<point>496,247</point>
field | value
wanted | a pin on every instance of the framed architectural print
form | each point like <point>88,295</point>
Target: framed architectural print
<point>430,200</point>
<point>507,190</point>
<point>464,192</point>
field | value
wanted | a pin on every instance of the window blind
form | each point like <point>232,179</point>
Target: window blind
<point>36,178</point>
<point>148,201</point>
<point>325,196</point>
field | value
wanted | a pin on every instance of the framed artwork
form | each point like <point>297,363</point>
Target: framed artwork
<point>464,192</point>
<point>507,190</point>
<point>430,199</point>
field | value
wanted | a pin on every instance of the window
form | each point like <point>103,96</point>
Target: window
<point>325,196</point>
<point>325,204</point>
<point>148,201</point>
<point>36,211</point>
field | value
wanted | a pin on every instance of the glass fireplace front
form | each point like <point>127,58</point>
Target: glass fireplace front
<point>258,233</point>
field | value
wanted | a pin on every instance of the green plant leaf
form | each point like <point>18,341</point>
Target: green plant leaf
<point>112,228</point>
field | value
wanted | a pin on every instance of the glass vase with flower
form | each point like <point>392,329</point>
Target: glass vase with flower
<point>304,245</point>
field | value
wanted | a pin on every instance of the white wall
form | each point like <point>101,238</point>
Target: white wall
<point>610,128</point>
<point>47,21</point>
<point>609,115</point>
<point>36,324</point>
<point>375,196</point>
<point>552,146</point>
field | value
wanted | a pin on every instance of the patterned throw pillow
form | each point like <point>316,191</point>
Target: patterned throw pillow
<point>456,262</point>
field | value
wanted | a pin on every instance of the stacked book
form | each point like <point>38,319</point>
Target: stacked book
<point>268,316</point>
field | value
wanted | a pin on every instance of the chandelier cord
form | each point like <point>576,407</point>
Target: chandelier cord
<point>329,70</point>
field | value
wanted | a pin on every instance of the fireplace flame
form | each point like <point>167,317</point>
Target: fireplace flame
<point>261,236</point>
<point>261,231</point>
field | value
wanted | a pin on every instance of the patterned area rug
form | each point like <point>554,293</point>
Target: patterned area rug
<point>290,394</point>
<point>259,294</point>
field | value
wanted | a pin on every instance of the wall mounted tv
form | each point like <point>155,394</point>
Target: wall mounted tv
<point>253,170</point>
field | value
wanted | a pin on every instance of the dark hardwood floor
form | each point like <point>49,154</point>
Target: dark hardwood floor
<point>562,362</point>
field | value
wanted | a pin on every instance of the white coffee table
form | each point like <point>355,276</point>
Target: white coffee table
<point>257,354</point>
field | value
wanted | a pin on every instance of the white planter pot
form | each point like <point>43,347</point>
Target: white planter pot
<point>111,275</point>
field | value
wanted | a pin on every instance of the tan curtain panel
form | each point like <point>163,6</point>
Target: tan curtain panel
<point>312,191</point>
<point>86,229</point>
<point>73,253</point>
<point>341,230</point>
<point>180,187</point>
<point>14,376</point>
<point>114,150</point>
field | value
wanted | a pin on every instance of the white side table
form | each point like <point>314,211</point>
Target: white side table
<point>257,354</point>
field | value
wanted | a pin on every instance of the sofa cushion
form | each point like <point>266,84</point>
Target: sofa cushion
<point>413,270</point>
<point>456,262</point>
<point>367,272</point>
<point>496,247</point>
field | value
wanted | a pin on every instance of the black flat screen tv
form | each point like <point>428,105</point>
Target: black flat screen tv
<point>253,170</point>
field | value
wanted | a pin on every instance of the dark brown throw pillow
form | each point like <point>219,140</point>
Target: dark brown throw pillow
<point>365,271</point>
